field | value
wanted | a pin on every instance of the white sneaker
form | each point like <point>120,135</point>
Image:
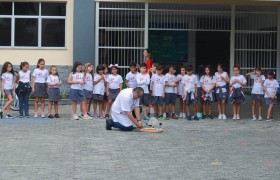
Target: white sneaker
<point>260,118</point>
<point>237,117</point>
<point>224,117</point>
<point>164,115</point>
<point>180,115</point>
<point>220,116</point>
<point>254,118</point>
<point>234,117</point>
<point>184,115</point>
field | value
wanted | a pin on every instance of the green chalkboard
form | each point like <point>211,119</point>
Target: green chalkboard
<point>168,46</point>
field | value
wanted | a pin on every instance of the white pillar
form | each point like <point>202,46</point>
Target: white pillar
<point>278,46</point>
<point>146,33</point>
<point>232,39</point>
<point>96,60</point>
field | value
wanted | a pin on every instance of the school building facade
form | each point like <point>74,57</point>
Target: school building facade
<point>194,32</point>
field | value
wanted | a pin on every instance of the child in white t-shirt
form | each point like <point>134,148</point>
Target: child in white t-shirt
<point>170,94</point>
<point>158,88</point>
<point>179,91</point>
<point>39,86</point>
<point>270,88</point>
<point>189,93</point>
<point>8,88</point>
<point>237,97</point>
<point>98,90</point>
<point>208,83</point>
<point>143,81</point>
<point>105,98</point>
<point>257,91</point>
<point>130,79</point>
<point>88,86</point>
<point>114,87</point>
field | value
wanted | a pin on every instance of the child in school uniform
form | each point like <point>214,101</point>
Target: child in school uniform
<point>189,93</point>
<point>179,91</point>
<point>143,81</point>
<point>77,80</point>
<point>170,95</point>
<point>237,81</point>
<point>24,89</point>
<point>222,80</point>
<point>270,87</point>
<point>98,90</point>
<point>114,86</point>
<point>158,89</point>
<point>208,83</point>
<point>257,91</point>
<point>39,86</point>
<point>88,86</point>
<point>130,79</point>
<point>8,88</point>
<point>152,71</point>
<point>53,83</point>
<point>105,98</point>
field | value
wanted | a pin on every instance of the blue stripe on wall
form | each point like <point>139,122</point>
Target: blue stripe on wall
<point>84,30</point>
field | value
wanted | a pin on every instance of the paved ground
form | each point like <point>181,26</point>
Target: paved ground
<point>67,149</point>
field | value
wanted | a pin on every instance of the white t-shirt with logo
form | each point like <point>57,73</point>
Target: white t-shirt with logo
<point>258,86</point>
<point>180,80</point>
<point>207,82</point>
<point>40,75</point>
<point>143,81</point>
<point>131,78</point>
<point>190,81</point>
<point>271,86</point>
<point>151,80</point>
<point>114,81</point>
<point>98,88</point>
<point>89,82</point>
<point>159,84</point>
<point>78,76</point>
<point>53,79</point>
<point>219,81</point>
<point>171,80</point>
<point>124,103</point>
<point>8,80</point>
<point>24,76</point>
<point>240,78</point>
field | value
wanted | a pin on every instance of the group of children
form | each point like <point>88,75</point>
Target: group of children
<point>160,91</point>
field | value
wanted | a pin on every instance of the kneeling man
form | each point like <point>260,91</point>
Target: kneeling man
<point>125,105</point>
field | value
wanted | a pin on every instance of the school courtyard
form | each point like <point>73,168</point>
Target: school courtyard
<point>207,149</point>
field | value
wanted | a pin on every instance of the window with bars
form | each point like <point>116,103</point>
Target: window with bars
<point>32,24</point>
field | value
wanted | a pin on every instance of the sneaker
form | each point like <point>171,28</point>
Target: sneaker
<point>87,118</point>
<point>184,115</point>
<point>20,116</point>
<point>224,117</point>
<point>174,116</point>
<point>50,116</point>
<point>146,118</point>
<point>180,115</point>
<point>161,117</point>
<point>203,116</point>
<point>220,116</point>
<point>260,118</point>
<point>268,119</point>
<point>195,118</point>
<point>8,116</point>
<point>106,115</point>
<point>254,118</point>
<point>210,116</point>
<point>148,114</point>
<point>81,115</point>
<point>189,118</point>
<point>156,115</point>
<point>27,116</point>
<point>35,115</point>
<point>101,115</point>
<point>109,124</point>
<point>237,117</point>
<point>89,114</point>
<point>75,117</point>
<point>1,115</point>
<point>166,116</point>
<point>234,117</point>
<point>56,116</point>
<point>43,115</point>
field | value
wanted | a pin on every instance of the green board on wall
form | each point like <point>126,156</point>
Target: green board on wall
<point>168,46</point>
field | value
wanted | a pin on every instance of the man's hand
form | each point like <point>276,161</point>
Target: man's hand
<point>139,124</point>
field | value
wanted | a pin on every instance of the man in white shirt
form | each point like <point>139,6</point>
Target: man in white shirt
<point>123,108</point>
